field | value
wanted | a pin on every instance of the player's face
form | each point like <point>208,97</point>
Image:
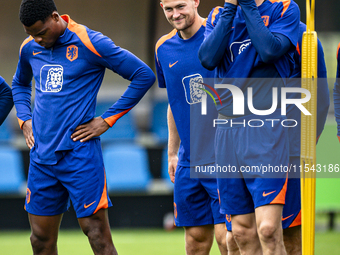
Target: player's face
<point>180,13</point>
<point>45,33</point>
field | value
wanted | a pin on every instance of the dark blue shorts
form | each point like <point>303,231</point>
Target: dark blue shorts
<point>291,214</point>
<point>195,200</point>
<point>255,163</point>
<point>79,176</point>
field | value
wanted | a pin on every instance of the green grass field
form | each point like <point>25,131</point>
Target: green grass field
<point>160,242</point>
<point>141,242</point>
<point>328,181</point>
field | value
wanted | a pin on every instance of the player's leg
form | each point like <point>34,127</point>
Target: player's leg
<point>96,227</point>
<point>269,198</point>
<point>292,240</point>
<point>221,238</point>
<point>44,233</point>
<point>268,186</point>
<point>234,197</point>
<point>192,211</point>
<point>245,233</point>
<point>243,218</point>
<point>269,227</point>
<point>233,248</point>
<point>291,215</point>
<point>210,186</point>
<point>85,180</point>
<point>46,201</point>
<point>199,239</point>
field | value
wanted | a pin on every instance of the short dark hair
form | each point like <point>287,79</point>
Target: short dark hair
<point>32,11</point>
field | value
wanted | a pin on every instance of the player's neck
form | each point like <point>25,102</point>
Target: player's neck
<point>259,2</point>
<point>191,31</point>
<point>63,25</point>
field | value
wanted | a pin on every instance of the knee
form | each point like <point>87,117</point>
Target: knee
<point>97,230</point>
<point>198,236</point>
<point>244,235</point>
<point>231,243</point>
<point>97,234</point>
<point>221,238</point>
<point>94,235</point>
<point>100,240</point>
<point>198,239</point>
<point>86,229</point>
<point>41,242</point>
<point>92,228</point>
<point>268,232</point>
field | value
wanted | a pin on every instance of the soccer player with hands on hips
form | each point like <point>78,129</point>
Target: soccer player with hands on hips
<point>6,100</point>
<point>251,43</point>
<point>196,203</point>
<point>68,61</point>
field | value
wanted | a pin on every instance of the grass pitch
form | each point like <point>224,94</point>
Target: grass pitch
<point>161,242</point>
<point>136,241</point>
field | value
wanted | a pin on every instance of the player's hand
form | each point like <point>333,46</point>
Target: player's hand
<point>28,133</point>
<point>91,129</point>
<point>234,2</point>
<point>172,162</point>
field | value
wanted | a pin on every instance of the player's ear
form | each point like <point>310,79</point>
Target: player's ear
<point>55,16</point>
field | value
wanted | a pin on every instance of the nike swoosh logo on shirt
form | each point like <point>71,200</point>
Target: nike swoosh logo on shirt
<point>171,65</point>
<point>36,53</point>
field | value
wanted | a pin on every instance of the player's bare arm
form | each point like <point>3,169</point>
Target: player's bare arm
<point>91,129</point>
<point>235,2</point>
<point>173,145</point>
<point>28,133</point>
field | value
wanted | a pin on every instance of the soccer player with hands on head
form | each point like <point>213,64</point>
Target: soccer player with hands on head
<point>68,61</point>
<point>252,47</point>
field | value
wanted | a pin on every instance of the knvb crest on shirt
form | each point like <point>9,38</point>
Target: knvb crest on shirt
<point>72,53</point>
<point>51,78</point>
<point>265,20</point>
<point>193,88</point>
